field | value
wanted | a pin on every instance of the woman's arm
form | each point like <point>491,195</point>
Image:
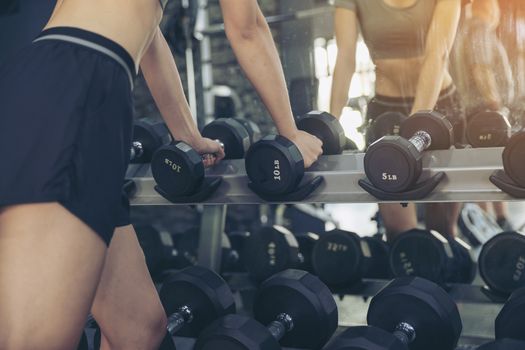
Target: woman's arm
<point>346,27</point>
<point>161,73</point>
<point>253,45</point>
<point>440,39</point>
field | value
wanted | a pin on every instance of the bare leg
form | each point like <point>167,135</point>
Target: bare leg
<point>50,265</point>
<point>443,217</point>
<point>127,306</point>
<point>398,219</point>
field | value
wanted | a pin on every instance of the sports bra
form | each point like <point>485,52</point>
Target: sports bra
<point>391,32</point>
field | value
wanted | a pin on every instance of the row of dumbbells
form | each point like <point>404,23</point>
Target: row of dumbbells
<point>295,309</point>
<point>342,259</point>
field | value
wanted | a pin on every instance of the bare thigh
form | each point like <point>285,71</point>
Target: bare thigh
<point>127,306</point>
<point>50,265</point>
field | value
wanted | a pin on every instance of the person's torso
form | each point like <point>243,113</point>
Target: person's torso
<point>130,23</point>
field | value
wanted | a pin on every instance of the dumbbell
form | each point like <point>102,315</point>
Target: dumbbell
<point>394,163</point>
<point>386,124</point>
<point>513,156</point>
<point>252,128</point>
<point>193,298</point>
<point>510,331</point>
<point>343,258</point>
<point>428,254</point>
<point>237,240</point>
<point>179,170</point>
<point>159,249</point>
<point>298,309</point>
<point>307,242</point>
<point>148,136</point>
<point>275,165</point>
<point>502,262</point>
<point>489,129</point>
<point>409,313</point>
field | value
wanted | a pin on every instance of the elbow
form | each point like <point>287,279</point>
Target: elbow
<point>438,58</point>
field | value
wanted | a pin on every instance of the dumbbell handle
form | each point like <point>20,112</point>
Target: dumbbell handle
<point>178,319</point>
<point>137,150</point>
<point>405,332</point>
<point>421,140</point>
<point>282,325</point>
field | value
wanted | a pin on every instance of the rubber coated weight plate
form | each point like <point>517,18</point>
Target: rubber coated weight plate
<point>252,128</point>
<point>337,258</point>
<point>306,299</point>
<point>376,253</point>
<point>509,323</point>
<point>151,135</point>
<point>307,242</point>
<point>203,291</point>
<point>423,305</point>
<point>392,164</point>
<point>386,124</point>
<point>418,253</point>
<point>434,123</point>
<point>502,262</point>
<point>488,129</point>
<point>327,128</point>
<point>513,158</point>
<point>503,344</point>
<point>177,169</point>
<point>274,165</point>
<point>232,134</point>
<point>365,338</point>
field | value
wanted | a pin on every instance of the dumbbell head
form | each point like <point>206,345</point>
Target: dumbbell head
<point>387,124</point>
<point>204,292</point>
<point>151,135</point>
<point>269,250</point>
<point>158,249</point>
<point>424,306</point>
<point>327,128</point>
<point>274,165</point>
<point>502,262</point>
<point>177,169</point>
<point>340,257</point>
<point>307,242</point>
<point>232,134</point>
<point>306,299</point>
<point>433,123</point>
<point>509,323</point>
<point>365,338</point>
<point>252,128</point>
<point>429,255</point>
<point>513,156</point>
<point>488,129</point>
<point>503,344</point>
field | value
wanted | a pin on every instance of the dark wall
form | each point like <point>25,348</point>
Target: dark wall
<point>20,23</point>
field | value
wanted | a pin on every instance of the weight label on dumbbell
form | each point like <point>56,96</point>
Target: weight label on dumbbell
<point>389,177</point>
<point>406,264</point>
<point>336,247</point>
<point>520,266</point>
<point>276,170</point>
<point>175,167</point>
<point>272,254</point>
<point>486,137</point>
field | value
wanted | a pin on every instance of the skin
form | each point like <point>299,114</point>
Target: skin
<point>422,77</point>
<point>53,267</point>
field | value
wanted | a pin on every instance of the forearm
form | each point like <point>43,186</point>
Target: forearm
<point>163,79</point>
<point>256,52</point>
<point>487,86</point>
<point>429,82</point>
<point>342,77</point>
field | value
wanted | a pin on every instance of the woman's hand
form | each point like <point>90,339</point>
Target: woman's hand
<point>211,151</point>
<point>309,146</point>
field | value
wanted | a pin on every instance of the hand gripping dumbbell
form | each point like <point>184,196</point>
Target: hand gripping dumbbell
<point>193,298</point>
<point>275,165</point>
<point>148,136</point>
<point>502,262</point>
<point>292,309</point>
<point>394,163</point>
<point>510,331</point>
<point>428,254</point>
<point>489,129</point>
<point>409,313</point>
<point>386,124</point>
<point>342,258</point>
<point>178,169</point>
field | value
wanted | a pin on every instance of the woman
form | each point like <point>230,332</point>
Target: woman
<point>66,245</point>
<point>409,42</point>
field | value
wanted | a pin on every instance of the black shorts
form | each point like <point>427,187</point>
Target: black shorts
<point>65,126</point>
<point>449,104</point>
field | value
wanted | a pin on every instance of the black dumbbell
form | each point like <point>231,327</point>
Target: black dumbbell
<point>275,165</point>
<point>343,258</point>
<point>297,308</point>
<point>503,344</point>
<point>148,136</point>
<point>489,129</point>
<point>502,262</point>
<point>386,124</point>
<point>513,156</point>
<point>237,240</point>
<point>193,298</point>
<point>428,254</point>
<point>252,128</point>
<point>409,313</point>
<point>179,170</point>
<point>394,163</point>
<point>159,249</point>
<point>307,242</point>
